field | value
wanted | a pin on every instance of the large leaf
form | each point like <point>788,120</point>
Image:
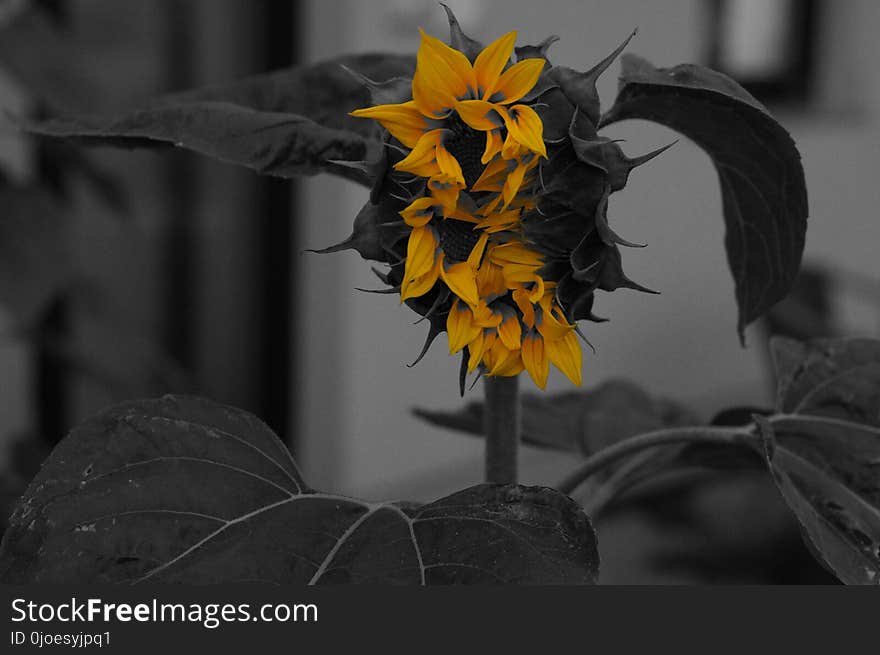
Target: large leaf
<point>286,123</point>
<point>576,421</point>
<point>184,490</point>
<point>35,258</point>
<point>824,449</point>
<point>762,181</point>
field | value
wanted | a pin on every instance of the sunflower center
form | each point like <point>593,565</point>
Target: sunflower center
<point>466,145</point>
<point>457,238</point>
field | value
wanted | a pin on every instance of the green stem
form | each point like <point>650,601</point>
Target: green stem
<point>609,455</point>
<point>501,424</point>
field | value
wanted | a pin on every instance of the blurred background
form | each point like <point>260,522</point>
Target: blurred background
<point>168,272</point>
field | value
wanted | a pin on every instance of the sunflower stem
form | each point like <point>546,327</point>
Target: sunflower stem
<point>501,424</point>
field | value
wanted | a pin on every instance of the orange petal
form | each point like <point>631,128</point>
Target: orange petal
<point>422,161</point>
<point>480,115</point>
<point>475,351</point>
<point>509,367</point>
<point>517,81</point>
<point>443,76</point>
<point>493,146</point>
<point>445,193</point>
<point>491,61</point>
<point>404,121</point>
<point>449,166</point>
<point>535,358</point>
<point>461,280</point>
<point>512,184</point>
<point>461,327</point>
<point>490,280</point>
<point>421,250</point>
<point>525,126</point>
<point>510,332</point>
<point>479,248</point>
<point>526,308</point>
<point>565,354</point>
<point>420,285</point>
<point>493,176</point>
<point>419,213</point>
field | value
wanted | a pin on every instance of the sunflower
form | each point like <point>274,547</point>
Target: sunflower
<point>473,148</point>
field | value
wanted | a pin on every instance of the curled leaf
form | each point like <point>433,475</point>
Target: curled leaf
<point>762,181</point>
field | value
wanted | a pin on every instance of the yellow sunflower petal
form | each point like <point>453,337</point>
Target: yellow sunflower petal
<point>445,193</point>
<point>461,327</point>
<point>449,166</point>
<point>443,76</point>
<point>461,280</point>
<point>551,323</point>
<point>485,317</point>
<point>535,359</point>
<point>480,115</point>
<point>512,185</point>
<point>404,121</point>
<point>493,176</point>
<point>510,367</point>
<point>565,354</point>
<point>419,213</point>
<point>420,285</point>
<point>493,146</point>
<point>526,308</point>
<point>475,351</point>
<point>422,161</point>
<point>517,81</point>
<point>525,126</point>
<point>510,332</point>
<point>516,253</point>
<point>478,250</point>
<point>490,281</point>
<point>421,252</point>
<point>491,62</point>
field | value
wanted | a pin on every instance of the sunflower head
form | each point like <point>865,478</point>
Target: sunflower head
<point>490,201</point>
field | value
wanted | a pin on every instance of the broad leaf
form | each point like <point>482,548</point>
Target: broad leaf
<point>824,449</point>
<point>577,421</point>
<point>35,258</point>
<point>184,490</point>
<point>286,123</point>
<point>762,181</point>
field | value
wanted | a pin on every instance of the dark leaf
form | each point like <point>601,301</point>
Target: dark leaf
<point>324,92</point>
<point>286,123</point>
<point>831,377</point>
<point>184,490</point>
<point>762,180</point>
<point>823,449</point>
<point>35,258</point>
<point>577,421</point>
<point>278,144</point>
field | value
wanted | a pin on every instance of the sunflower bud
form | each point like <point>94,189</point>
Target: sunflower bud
<point>490,201</point>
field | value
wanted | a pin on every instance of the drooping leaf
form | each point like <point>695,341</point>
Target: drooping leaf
<point>577,421</point>
<point>823,449</point>
<point>762,181</point>
<point>35,258</point>
<point>286,123</point>
<point>183,490</point>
